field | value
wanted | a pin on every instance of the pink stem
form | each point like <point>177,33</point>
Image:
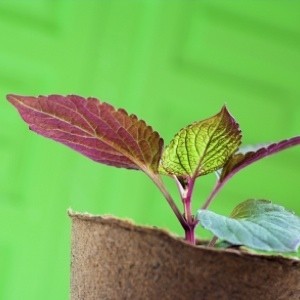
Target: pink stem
<point>190,235</point>
<point>187,201</point>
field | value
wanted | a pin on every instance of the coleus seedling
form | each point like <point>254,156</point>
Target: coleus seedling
<point>112,137</point>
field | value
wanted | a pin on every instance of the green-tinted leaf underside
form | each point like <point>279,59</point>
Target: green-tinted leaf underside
<point>202,147</point>
<point>256,224</point>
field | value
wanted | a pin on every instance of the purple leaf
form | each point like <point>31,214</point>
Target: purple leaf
<point>93,128</point>
<point>241,160</point>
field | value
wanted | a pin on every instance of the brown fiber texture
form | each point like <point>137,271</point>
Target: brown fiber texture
<point>115,259</point>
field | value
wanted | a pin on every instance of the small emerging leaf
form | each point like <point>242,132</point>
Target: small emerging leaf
<point>93,128</point>
<point>243,158</point>
<point>202,147</point>
<point>257,224</point>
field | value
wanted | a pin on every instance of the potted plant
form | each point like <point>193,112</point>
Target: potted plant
<point>115,259</point>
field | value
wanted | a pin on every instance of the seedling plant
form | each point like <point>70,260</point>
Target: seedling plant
<point>113,137</point>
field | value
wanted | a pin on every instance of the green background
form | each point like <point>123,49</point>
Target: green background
<point>169,62</point>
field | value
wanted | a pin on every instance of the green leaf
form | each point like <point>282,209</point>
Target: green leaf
<point>202,147</point>
<point>256,224</point>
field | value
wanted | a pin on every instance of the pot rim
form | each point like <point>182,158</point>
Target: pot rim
<point>129,224</point>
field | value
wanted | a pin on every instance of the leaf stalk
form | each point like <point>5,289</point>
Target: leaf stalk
<point>186,197</point>
<point>159,183</point>
<point>212,195</point>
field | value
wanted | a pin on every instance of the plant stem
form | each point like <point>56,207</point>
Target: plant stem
<point>213,241</point>
<point>187,201</point>
<point>157,180</point>
<point>186,197</point>
<point>216,189</point>
<point>187,221</point>
<point>187,210</point>
<point>190,235</point>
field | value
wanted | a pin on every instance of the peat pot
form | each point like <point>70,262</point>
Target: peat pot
<point>115,259</point>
